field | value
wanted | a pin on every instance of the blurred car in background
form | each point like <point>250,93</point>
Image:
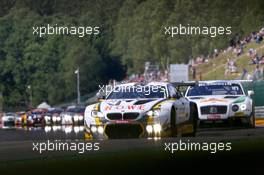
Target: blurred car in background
<point>53,116</point>
<point>36,117</point>
<point>21,118</point>
<point>73,115</point>
<point>8,120</point>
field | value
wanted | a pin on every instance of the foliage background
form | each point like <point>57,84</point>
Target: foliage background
<point>131,32</point>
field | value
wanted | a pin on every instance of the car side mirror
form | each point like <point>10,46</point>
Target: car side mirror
<point>250,93</point>
<point>100,96</point>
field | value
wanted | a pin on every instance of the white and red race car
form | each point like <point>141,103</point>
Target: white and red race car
<point>222,100</point>
<point>134,110</point>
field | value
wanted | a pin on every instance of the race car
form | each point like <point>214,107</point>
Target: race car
<point>36,117</point>
<point>136,110</point>
<point>222,101</point>
<point>73,115</point>
<point>8,120</point>
<point>20,118</point>
<point>53,116</point>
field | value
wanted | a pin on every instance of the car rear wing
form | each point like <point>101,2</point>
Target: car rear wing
<point>185,84</point>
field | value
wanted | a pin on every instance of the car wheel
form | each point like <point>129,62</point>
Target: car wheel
<point>173,126</point>
<point>251,120</point>
<point>43,122</point>
<point>193,120</point>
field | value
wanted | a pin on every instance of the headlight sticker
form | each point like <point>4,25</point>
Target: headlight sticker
<point>240,99</point>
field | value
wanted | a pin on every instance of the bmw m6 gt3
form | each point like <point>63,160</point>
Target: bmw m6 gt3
<point>133,110</point>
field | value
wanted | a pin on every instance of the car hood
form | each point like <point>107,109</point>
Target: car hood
<point>129,105</point>
<point>217,100</point>
<point>8,118</point>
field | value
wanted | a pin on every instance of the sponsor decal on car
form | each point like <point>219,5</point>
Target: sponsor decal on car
<point>214,117</point>
<point>124,107</point>
<point>213,100</point>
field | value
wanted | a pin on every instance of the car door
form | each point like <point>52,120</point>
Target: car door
<point>180,104</point>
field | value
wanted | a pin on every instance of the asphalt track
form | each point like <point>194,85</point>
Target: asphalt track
<point>17,144</point>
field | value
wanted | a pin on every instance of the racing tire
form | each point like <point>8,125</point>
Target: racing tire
<point>193,120</point>
<point>173,126</point>
<point>43,122</point>
<point>251,120</point>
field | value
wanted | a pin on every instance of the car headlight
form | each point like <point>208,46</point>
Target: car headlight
<point>154,113</point>
<point>100,130</point>
<point>54,119</point>
<point>93,129</point>
<point>157,128</point>
<point>67,117</point>
<point>47,117</point>
<point>75,118</point>
<point>149,128</point>
<point>243,107</point>
<point>80,117</point>
<point>235,108</point>
<point>58,118</point>
<point>97,114</point>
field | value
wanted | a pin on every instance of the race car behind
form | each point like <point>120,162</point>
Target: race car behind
<point>8,120</point>
<point>222,100</point>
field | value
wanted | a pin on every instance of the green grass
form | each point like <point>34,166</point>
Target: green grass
<point>215,68</point>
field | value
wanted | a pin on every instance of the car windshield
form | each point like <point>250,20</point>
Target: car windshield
<point>215,89</point>
<point>36,113</point>
<point>10,115</point>
<point>55,111</point>
<point>134,92</point>
<point>76,110</point>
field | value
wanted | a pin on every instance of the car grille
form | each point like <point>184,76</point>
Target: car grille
<point>125,116</point>
<point>213,110</point>
<point>116,131</point>
<point>9,123</point>
<point>114,116</point>
<point>130,116</point>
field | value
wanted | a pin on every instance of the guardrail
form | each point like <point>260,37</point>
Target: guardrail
<point>259,112</point>
<point>259,115</point>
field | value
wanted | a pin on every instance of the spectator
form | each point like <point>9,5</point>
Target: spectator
<point>254,60</point>
<point>257,73</point>
<point>258,38</point>
<point>227,66</point>
<point>245,72</point>
<point>193,72</point>
<point>261,60</point>
<point>215,53</point>
<point>232,67</point>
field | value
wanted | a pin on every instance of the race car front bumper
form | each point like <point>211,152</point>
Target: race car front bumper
<point>8,123</point>
<point>222,113</point>
<point>124,129</point>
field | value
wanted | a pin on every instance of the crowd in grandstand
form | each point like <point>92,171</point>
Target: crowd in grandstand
<point>237,47</point>
<point>153,73</point>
